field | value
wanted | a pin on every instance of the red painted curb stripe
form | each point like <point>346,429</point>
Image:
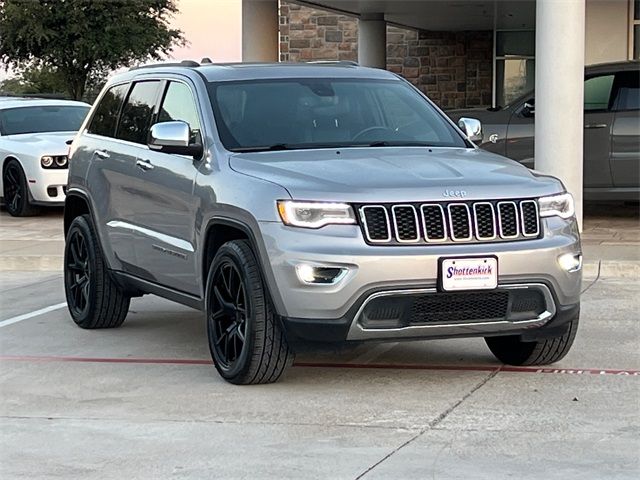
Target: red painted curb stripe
<point>409,366</point>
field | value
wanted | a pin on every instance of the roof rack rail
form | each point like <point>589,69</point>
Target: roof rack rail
<point>334,62</point>
<point>183,63</point>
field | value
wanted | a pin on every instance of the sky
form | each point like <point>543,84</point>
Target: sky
<point>211,27</point>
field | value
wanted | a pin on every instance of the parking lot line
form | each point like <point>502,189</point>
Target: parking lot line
<point>390,366</point>
<point>26,316</point>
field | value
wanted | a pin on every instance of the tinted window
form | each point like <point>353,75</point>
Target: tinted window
<point>597,92</point>
<point>137,112</point>
<point>179,104</point>
<point>315,113</point>
<point>106,115</point>
<point>628,91</point>
<point>50,118</point>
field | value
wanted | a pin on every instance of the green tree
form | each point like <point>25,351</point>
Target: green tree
<point>82,40</point>
<point>36,80</point>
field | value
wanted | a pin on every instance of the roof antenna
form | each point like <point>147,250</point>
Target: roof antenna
<point>206,60</point>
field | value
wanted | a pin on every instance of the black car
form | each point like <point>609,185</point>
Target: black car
<point>611,130</point>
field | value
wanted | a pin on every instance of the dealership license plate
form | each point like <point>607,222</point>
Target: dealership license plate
<point>469,273</point>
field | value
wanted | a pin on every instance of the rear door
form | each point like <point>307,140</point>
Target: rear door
<point>625,135</point>
<point>598,120</point>
<point>109,168</point>
<point>166,210</point>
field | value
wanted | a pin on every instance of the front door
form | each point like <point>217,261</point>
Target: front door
<point>625,139</point>
<point>598,120</point>
<point>167,209</point>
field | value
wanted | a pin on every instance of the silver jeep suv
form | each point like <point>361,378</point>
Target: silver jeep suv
<point>312,203</point>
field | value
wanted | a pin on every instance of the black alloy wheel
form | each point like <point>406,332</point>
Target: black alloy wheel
<point>246,339</point>
<point>228,314</point>
<point>16,194</point>
<point>78,273</point>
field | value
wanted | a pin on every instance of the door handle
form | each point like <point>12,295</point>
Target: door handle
<point>101,153</point>
<point>596,125</point>
<point>144,165</point>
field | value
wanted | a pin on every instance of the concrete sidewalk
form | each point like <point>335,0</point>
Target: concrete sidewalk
<point>610,240</point>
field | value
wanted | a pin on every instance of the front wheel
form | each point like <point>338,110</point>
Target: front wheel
<point>513,351</point>
<point>16,191</point>
<point>246,340</point>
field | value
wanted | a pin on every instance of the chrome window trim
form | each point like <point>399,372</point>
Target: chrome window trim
<point>453,237</point>
<point>475,221</point>
<point>395,222</point>
<point>363,218</point>
<point>515,207</point>
<point>535,205</point>
<point>424,223</point>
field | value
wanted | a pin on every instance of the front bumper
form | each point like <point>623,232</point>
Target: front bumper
<point>313,311</point>
<point>48,187</point>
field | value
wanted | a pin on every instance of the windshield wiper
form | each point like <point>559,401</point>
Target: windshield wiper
<point>265,148</point>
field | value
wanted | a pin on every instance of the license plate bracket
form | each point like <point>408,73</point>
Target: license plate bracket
<point>457,274</point>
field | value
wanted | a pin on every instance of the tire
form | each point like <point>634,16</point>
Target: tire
<point>247,343</point>
<point>16,191</point>
<point>93,298</point>
<point>513,351</point>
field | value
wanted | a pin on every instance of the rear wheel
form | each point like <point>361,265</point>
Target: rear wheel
<point>93,298</point>
<point>246,340</point>
<point>16,191</point>
<point>513,351</point>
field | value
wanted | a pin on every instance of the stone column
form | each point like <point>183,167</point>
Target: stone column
<point>372,41</point>
<point>260,26</point>
<point>559,109</point>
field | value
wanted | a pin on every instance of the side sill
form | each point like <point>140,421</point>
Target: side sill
<point>141,287</point>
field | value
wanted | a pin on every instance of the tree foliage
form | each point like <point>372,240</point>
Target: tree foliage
<point>81,40</point>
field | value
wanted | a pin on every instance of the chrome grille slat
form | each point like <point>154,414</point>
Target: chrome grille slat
<point>451,222</point>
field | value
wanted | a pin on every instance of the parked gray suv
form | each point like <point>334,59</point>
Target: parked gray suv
<point>312,203</point>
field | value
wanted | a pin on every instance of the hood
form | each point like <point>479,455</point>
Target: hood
<point>394,174</point>
<point>49,143</point>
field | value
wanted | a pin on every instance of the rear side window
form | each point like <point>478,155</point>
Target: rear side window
<point>138,112</point>
<point>105,117</point>
<point>179,104</point>
<point>628,91</point>
<point>597,92</point>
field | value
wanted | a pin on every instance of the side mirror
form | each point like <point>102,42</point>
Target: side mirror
<point>528,109</point>
<point>472,128</point>
<point>173,137</point>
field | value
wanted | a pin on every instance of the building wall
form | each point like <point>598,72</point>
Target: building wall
<point>606,31</point>
<point>453,68</point>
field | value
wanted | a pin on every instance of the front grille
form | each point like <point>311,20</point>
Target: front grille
<point>450,222</point>
<point>398,310</point>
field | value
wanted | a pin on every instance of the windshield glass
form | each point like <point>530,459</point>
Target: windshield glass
<point>50,118</point>
<point>314,113</point>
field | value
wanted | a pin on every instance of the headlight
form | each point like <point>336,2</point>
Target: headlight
<point>54,161</point>
<point>556,205</point>
<point>314,214</point>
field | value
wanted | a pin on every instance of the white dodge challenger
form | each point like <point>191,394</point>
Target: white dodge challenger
<point>33,151</point>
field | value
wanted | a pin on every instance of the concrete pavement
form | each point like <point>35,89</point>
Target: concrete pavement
<point>144,402</point>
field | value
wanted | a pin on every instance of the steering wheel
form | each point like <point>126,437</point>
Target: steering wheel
<point>372,129</point>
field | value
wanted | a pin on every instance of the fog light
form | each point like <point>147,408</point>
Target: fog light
<point>570,262</point>
<point>319,275</point>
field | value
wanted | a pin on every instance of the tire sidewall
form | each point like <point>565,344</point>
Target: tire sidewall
<point>81,224</point>
<point>254,313</point>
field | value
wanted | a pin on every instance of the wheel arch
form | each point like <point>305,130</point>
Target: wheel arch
<point>220,230</point>
<point>76,203</point>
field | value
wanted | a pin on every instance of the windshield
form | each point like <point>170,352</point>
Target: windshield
<point>314,113</point>
<point>50,118</point>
